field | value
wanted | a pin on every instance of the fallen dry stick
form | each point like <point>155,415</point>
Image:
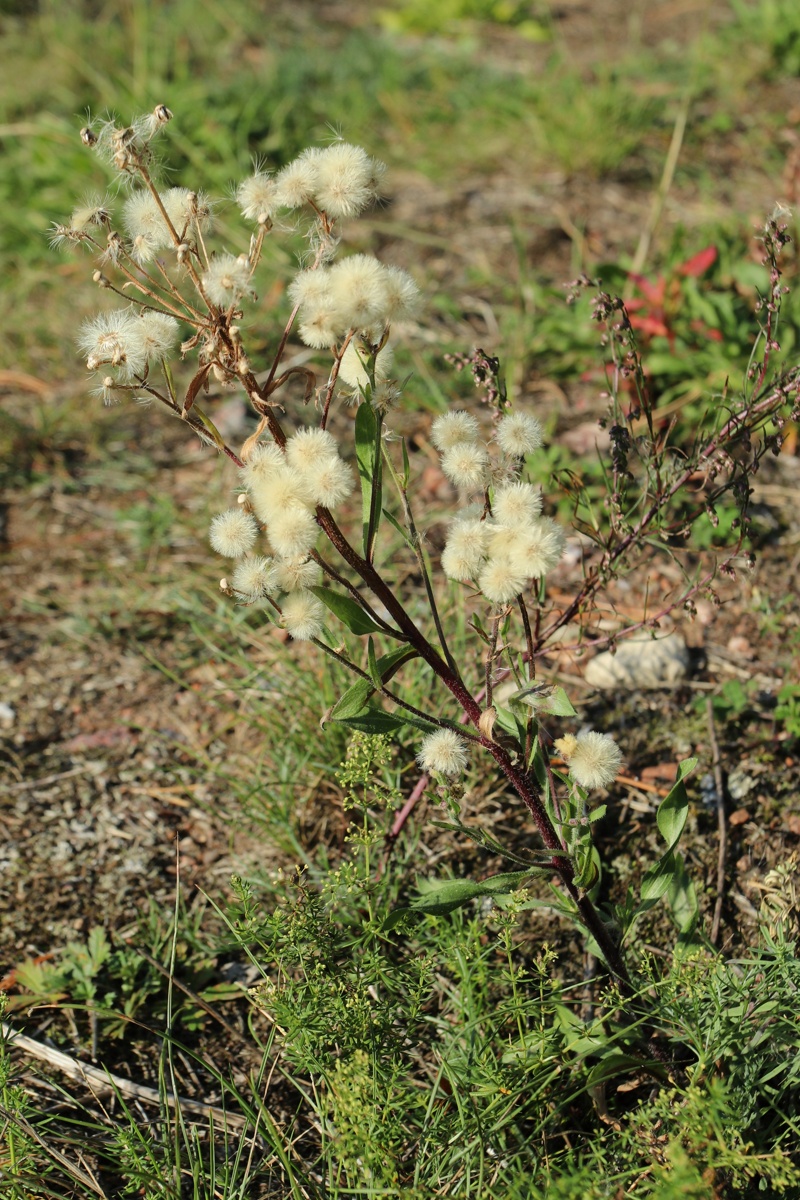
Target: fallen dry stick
<point>101,1082</point>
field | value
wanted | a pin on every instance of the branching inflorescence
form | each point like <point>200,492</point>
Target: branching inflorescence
<point>182,298</point>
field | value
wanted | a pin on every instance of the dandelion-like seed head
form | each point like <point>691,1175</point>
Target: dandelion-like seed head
<point>357,289</point>
<point>320,326</point>
<point>296,183</point>
<point>500,582</point>
<point>144,223</point>
<point>302,614</point>
<point>347,180</point>
<point>233,533</point>
<point>594,759</point>
<point>292,532</point>
<point>227,279</point>
<point>330,483</point>
<point>158,334</point>
<point>262,460</point>
<point>93,211</point>
<point>275,489</point>
<point>454,429</point>
<point>519,433</point>
<point>291,574</point>
<point>309,447</point>
<point>189,211</point>
<point>251,578</point>
<point>516,503</point>
<point>502,539</point>
<point>352,370</point>
<point>256,197</point>
<point>466,465</point>
<point>401,295</point>
<point>538,548</point>
<point>465,549</point>
<point>113,338</point>
<point>444,752</point>
<point>309,288</point>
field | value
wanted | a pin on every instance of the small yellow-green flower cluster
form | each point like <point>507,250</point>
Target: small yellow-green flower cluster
<point>502,549</point>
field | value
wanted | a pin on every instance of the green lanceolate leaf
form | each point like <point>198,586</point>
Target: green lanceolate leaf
<point>674,808</point>
<point>374,720</point>
<point>656,881</point>
<point>374,669</point>
<point>442,898</point>
<point>368,457</point>
<point>355,698</point>
<point>545,698</point>
<point>346,609</point>
<point>682,898</point>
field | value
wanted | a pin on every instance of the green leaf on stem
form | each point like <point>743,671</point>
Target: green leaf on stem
<point>355,698</point>
<point>545,699</point>
<point>442,898</point>
<point>374,670</point>
<point>674,808</point>
<point>346,609</point>
<point>682,899</point>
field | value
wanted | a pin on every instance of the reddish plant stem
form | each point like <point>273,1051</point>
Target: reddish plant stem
<point>523,785</point>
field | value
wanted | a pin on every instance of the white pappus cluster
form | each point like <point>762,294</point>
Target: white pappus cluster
<point>341,180</point>
<point>594,759</point>
<point>284,488</point>
<point>127,342</point>
<point>500,550</point>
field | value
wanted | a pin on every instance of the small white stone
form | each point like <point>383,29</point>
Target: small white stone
<point>7,715</point>
<point>640,662</point>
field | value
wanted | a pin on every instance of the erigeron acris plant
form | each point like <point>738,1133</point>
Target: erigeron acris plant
<point>182,297</point>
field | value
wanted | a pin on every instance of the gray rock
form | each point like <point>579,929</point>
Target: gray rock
<point>640,661</point>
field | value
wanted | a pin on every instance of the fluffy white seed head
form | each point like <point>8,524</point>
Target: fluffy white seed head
<point>158,335</point>
<point>500,582</point>
<point>352,370</point>
<point>263,460</point>
<point>320,324</point>
<point>357,290</point>
<point>145,226</point>
<point>309,288</point>
<point>233,533</point>
<point>519,433</point>
<point>296,183</point>
<point>516,503</point>
<point>465,550</point>
<point>444,752</point>
<point>93,211</point>
<point>292,532</point>
<point>189,211</point>
<point>346,181</point>
<point>401,295</point>
<point>256,197</point>
<point>227,279</point>
<point>330,483</point>
<point>466,465</point>
<point>251,578</point>
<point>302,614</point>
<point>594,759</point>
<point>453,429</point>
<point>538,548</point>
<point>276,490</point>
<point>113,338</point>
<point>290,574</point>
<point>502,539</point>
<point>309,447</point>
